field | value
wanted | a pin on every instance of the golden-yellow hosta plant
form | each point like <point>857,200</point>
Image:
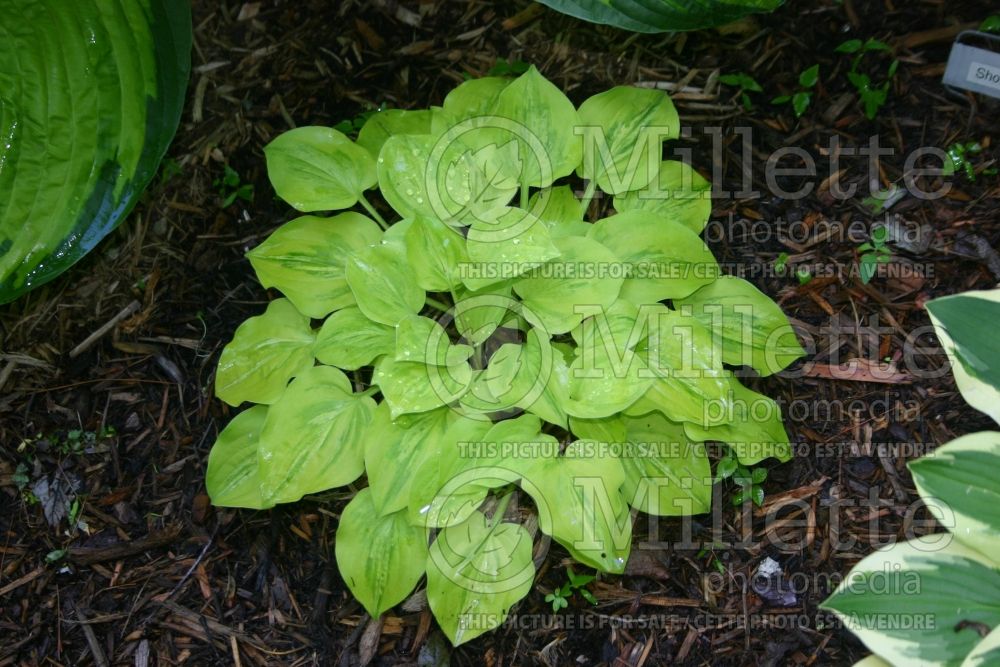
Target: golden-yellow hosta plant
<point>489,338</point>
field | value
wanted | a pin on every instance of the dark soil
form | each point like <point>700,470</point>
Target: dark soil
<point>152,574</point>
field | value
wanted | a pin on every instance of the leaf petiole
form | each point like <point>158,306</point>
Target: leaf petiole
<point>372,212</point>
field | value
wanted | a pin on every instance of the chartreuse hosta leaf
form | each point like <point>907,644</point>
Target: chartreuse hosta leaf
<point>313,436</point>
<point>349,340</point>
<point>954,474</point>
<point>750,423</point>
<point>583,274</point>
<point>661,15</point>
<point>666,473</point>
<point>580,502</point>
<point>455,318</point>
<point>383,283</point>
<point>623,133</point>
<point>318,169</point>
<point>436,252</point>
<point>543,122</point>
<point>752,329</point>
<point>91,93</point>
<point>666,259</point>
<point>678,194</point>
<point>949,589</point>
<point>970,346</point>
<point>560,211</point>
<point>266,352</point>
<point>507,246</point>
<point>476,571</point>
<point>395,448</point>
<point>232,478</point>
<point>390,122</point>
<point>381,556</point>
<point>307,257</point>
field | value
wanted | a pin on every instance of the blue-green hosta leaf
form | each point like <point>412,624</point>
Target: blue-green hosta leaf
<point>970,346</point>
<point>313,437</point>
<point>750,423</point>
<point>266,352</point>
<point>390,122</point>
<point>949,589</point>
<point>435,252</point>
<point>424,340</point>
<point>410,386</point>
<point>318,169</point>
<point>560,210</point>
<point>383,283</point>
<point>580,503</point>
<point>954,475</point>
<point>506,247</point>
<point>543,123</point>
<point>476,572</point>
<point>395,449</point>
<point>583,274</point>
<point>380,556</point>
<point>666,474</point>
<point>661,15</point>
<point>624,130</point>
<point>306,259</point>
<point>90,97</point>
<point>748,325</point>
<point>678,194</point>
<point>232,478</point>
<point>667,260</point>
<point>349,340</point>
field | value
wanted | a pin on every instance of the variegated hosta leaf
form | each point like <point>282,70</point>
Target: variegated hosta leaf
<point>749,326</point>
<point>390,122</point>
<point>414,386</point>
<point>435,251</point>
<point>966,495</point>
<point>476,571</point>
<point>266,352</point>
<point>560,210</point>
<point>313,437</point>
<point>306,259</point>
<point>920,602</point>
<point>380,556</point>
<point>986,653</point>
<point>959,323</point>
<point>505,247</point>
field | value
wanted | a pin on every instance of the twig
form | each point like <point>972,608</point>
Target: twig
<point>105,328</point>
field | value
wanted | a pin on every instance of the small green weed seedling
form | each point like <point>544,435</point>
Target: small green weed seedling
<point>511,68</point>
<point>748,479</point>
<point>801,99</point>
<point>990,24</point>
<point>958,160</point>
<point>351,126</point>
<point>873,253</point>
<point>575,583</point>
<point>872,96</point>
<point>230,188</point>
<point>746,84</point>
